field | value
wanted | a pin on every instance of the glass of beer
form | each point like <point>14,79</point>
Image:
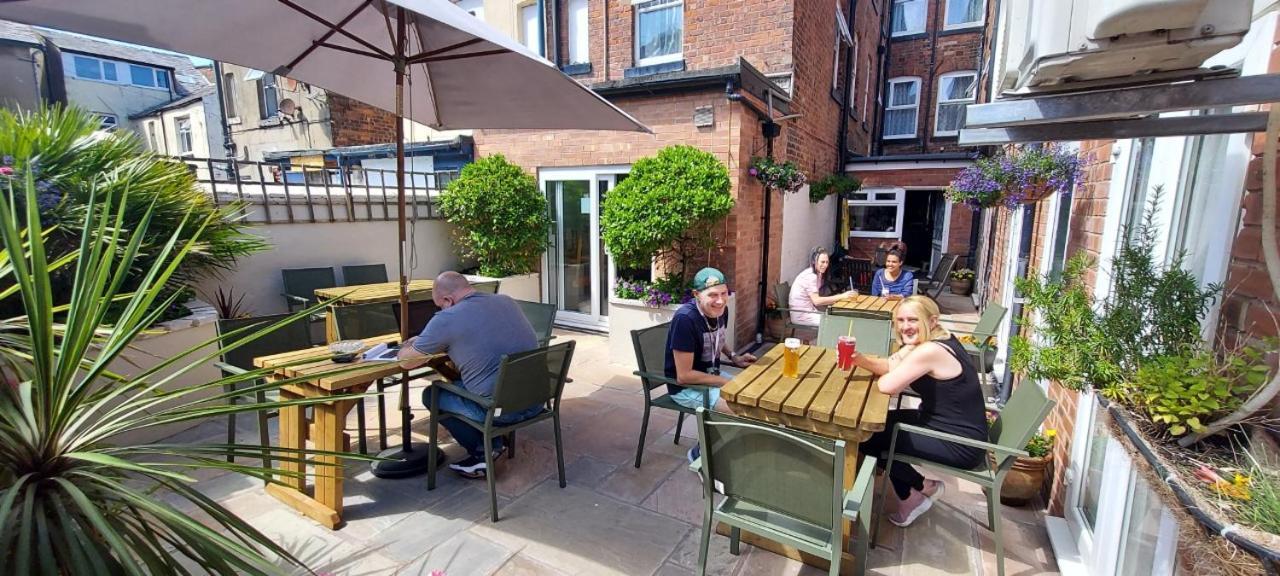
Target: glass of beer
<point>845,347</point>
<point>791,358</point>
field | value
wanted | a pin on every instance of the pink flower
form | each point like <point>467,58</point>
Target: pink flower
<point>437,573</point>
<point>6,171</point>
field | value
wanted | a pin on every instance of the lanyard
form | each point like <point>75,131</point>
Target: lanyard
<point>716,334</point>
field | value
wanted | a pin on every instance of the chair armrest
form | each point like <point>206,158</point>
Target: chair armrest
<point>229,369</point>
<point>958,439</point>
<point>656,377</point>
<point>865,479</point>
<point>483,401</point>
<point>298,299</point>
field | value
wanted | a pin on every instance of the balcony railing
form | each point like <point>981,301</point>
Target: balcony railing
<point>302,194</point>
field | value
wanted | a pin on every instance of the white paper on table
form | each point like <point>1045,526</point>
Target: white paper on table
<point>382,353</point>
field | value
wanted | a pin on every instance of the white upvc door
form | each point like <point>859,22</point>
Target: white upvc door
<point>578,271</point>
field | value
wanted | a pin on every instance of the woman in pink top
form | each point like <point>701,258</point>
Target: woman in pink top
<point>804,299</point>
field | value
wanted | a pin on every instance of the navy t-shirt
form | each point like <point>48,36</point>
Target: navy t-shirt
<point>691,332</point>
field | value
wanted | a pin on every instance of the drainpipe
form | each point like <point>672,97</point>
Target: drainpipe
<point>1023,269</point>
<point>605,7</point>
<point>228,147</point>
<point>542,28</point>
<point>933,81</point>
<point>886,41</point>
<point>555,33</point>
<point>771,130</point>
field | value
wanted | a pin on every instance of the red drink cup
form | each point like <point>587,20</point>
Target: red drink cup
<point>845,347</point>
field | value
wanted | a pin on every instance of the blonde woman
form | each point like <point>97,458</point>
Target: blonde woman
<point>936,366</point>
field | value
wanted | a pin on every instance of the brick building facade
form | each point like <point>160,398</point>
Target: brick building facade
<point>710,90</point>
<point>932,52</point>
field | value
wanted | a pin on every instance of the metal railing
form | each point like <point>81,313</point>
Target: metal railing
<point>303,194</point>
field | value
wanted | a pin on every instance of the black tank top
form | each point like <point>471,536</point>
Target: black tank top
<point>953,405</point>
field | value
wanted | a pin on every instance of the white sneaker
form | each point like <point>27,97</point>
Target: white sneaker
<point>918,512</point>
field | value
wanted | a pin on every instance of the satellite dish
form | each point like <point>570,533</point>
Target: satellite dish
<point>288,107</point>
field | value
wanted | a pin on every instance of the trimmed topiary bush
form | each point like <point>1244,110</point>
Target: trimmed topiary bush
<point>666,208</point>
<point>500,215</point>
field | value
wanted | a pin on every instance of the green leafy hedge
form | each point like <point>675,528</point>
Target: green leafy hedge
<point>666,208</point>
<point>500,215</point>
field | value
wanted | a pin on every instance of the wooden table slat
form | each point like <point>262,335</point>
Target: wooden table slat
<point>750,395</point>
<point>738,383</point>
<point>824,403</point>
<point>381,292</point>
<point>848,411</point>
<point>876,412</point>
<point>866,303</point>
<point>797,403</point>
<point>775,396</point>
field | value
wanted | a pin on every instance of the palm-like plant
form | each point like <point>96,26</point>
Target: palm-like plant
<point>71,502</point>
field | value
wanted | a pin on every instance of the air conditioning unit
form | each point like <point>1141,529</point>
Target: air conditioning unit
<point>1050,44</point>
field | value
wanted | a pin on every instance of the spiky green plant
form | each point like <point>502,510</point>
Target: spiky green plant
<point>69,159</point>
<point>71,500</point>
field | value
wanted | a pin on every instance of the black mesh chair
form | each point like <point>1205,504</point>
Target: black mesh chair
<point>358,274</point>
<point>367,321</point>
<point>527,379</point>
<point>860,272</point>
<point>300,285</point>
<point>289,337</point>
<point>542,317</point>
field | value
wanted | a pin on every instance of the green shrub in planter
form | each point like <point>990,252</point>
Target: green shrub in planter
<point>500,215</point>
<point>666,208</point>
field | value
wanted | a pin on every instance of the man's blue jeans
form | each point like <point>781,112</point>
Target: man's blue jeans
<point>468,437</point>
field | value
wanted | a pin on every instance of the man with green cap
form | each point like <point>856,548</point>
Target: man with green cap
<point>696,342</point>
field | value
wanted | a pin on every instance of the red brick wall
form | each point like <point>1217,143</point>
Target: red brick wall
<point>355,123</point>
<point>811,140</point>
<point>927,58</point>
<point>866,27</point>
<point>732,139</point>
<point>958,241</point>
<point>1249,309</point>
<point>716,33</point>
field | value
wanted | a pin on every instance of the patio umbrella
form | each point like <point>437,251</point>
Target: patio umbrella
<point>463,73</point>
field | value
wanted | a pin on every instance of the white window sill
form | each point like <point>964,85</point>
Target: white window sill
<point>907,33</point>
<point>947,134</point>
<point>964,26</point>
<point>660,59</point>
<point>867,234</point>
<point>898,137</point>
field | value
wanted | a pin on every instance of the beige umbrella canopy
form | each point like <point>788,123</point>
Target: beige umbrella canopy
<point>463,73</point>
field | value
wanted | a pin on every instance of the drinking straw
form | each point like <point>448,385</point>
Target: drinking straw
<point>849,332</point>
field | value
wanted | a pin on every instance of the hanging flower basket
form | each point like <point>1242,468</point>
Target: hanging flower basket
<point>784,176</point>
<point>1024,175</point>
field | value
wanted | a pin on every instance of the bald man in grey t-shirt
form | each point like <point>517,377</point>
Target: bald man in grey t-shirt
<point>476,330</point>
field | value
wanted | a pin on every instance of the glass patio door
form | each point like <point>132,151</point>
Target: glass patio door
<point>578,271</point>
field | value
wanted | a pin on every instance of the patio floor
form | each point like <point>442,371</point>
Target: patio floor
<point>611,519</point>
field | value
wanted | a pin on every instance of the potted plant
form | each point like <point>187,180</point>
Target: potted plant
<point>1024,480</point>
<point>962,281</point>
<point>838,184</point>
<point>661,215</point>
<point>501,220</point>
<point>784,176</point>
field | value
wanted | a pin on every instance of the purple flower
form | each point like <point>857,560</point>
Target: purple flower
<point>753,171</point>
<point>6,160</point>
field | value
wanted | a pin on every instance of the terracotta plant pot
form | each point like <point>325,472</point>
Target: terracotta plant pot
<point>775,325</point>
<point>1024,480</point>
<point>961,287</point>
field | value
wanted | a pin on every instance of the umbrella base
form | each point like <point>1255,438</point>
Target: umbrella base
<point>401,464</point>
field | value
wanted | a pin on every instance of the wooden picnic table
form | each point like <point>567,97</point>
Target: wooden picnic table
<point>367,294</point>
<point>865,304</point>
<point>325,378</point>
<point>822,399</point>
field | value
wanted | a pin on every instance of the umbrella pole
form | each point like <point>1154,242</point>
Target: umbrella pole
<point>408,460</point>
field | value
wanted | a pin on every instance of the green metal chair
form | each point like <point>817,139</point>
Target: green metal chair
<point>782,295</point>
<point>300,285</point>
<point>358,274</point>
<point>983,347</point>
<point>525,380</point>
<point>780,484</point>
<point>288,337</point>
<point>873,334</point>
<point>938,277</point>
<point>1006,440</point>
<point>650,345</point>
<point>542,317</point>
<point>358,322</point>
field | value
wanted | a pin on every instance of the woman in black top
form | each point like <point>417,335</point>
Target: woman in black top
<point>936,366</point>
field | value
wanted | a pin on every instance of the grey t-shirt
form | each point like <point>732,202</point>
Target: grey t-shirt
<point>476,333</point>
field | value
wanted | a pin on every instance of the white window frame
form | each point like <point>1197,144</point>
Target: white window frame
<point>842,39</point>
<point>653,6</point>
<point>541,48</point>
<point>229,95</point>
<point>924,15</point>
<point>186,147</point>
<point>898,201</point>
<point>853,75</point>
<point>579,24</point>
<point>958,26</point>
<point>122,70</point>
<point>888,106</point>
<point>939,101</point>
